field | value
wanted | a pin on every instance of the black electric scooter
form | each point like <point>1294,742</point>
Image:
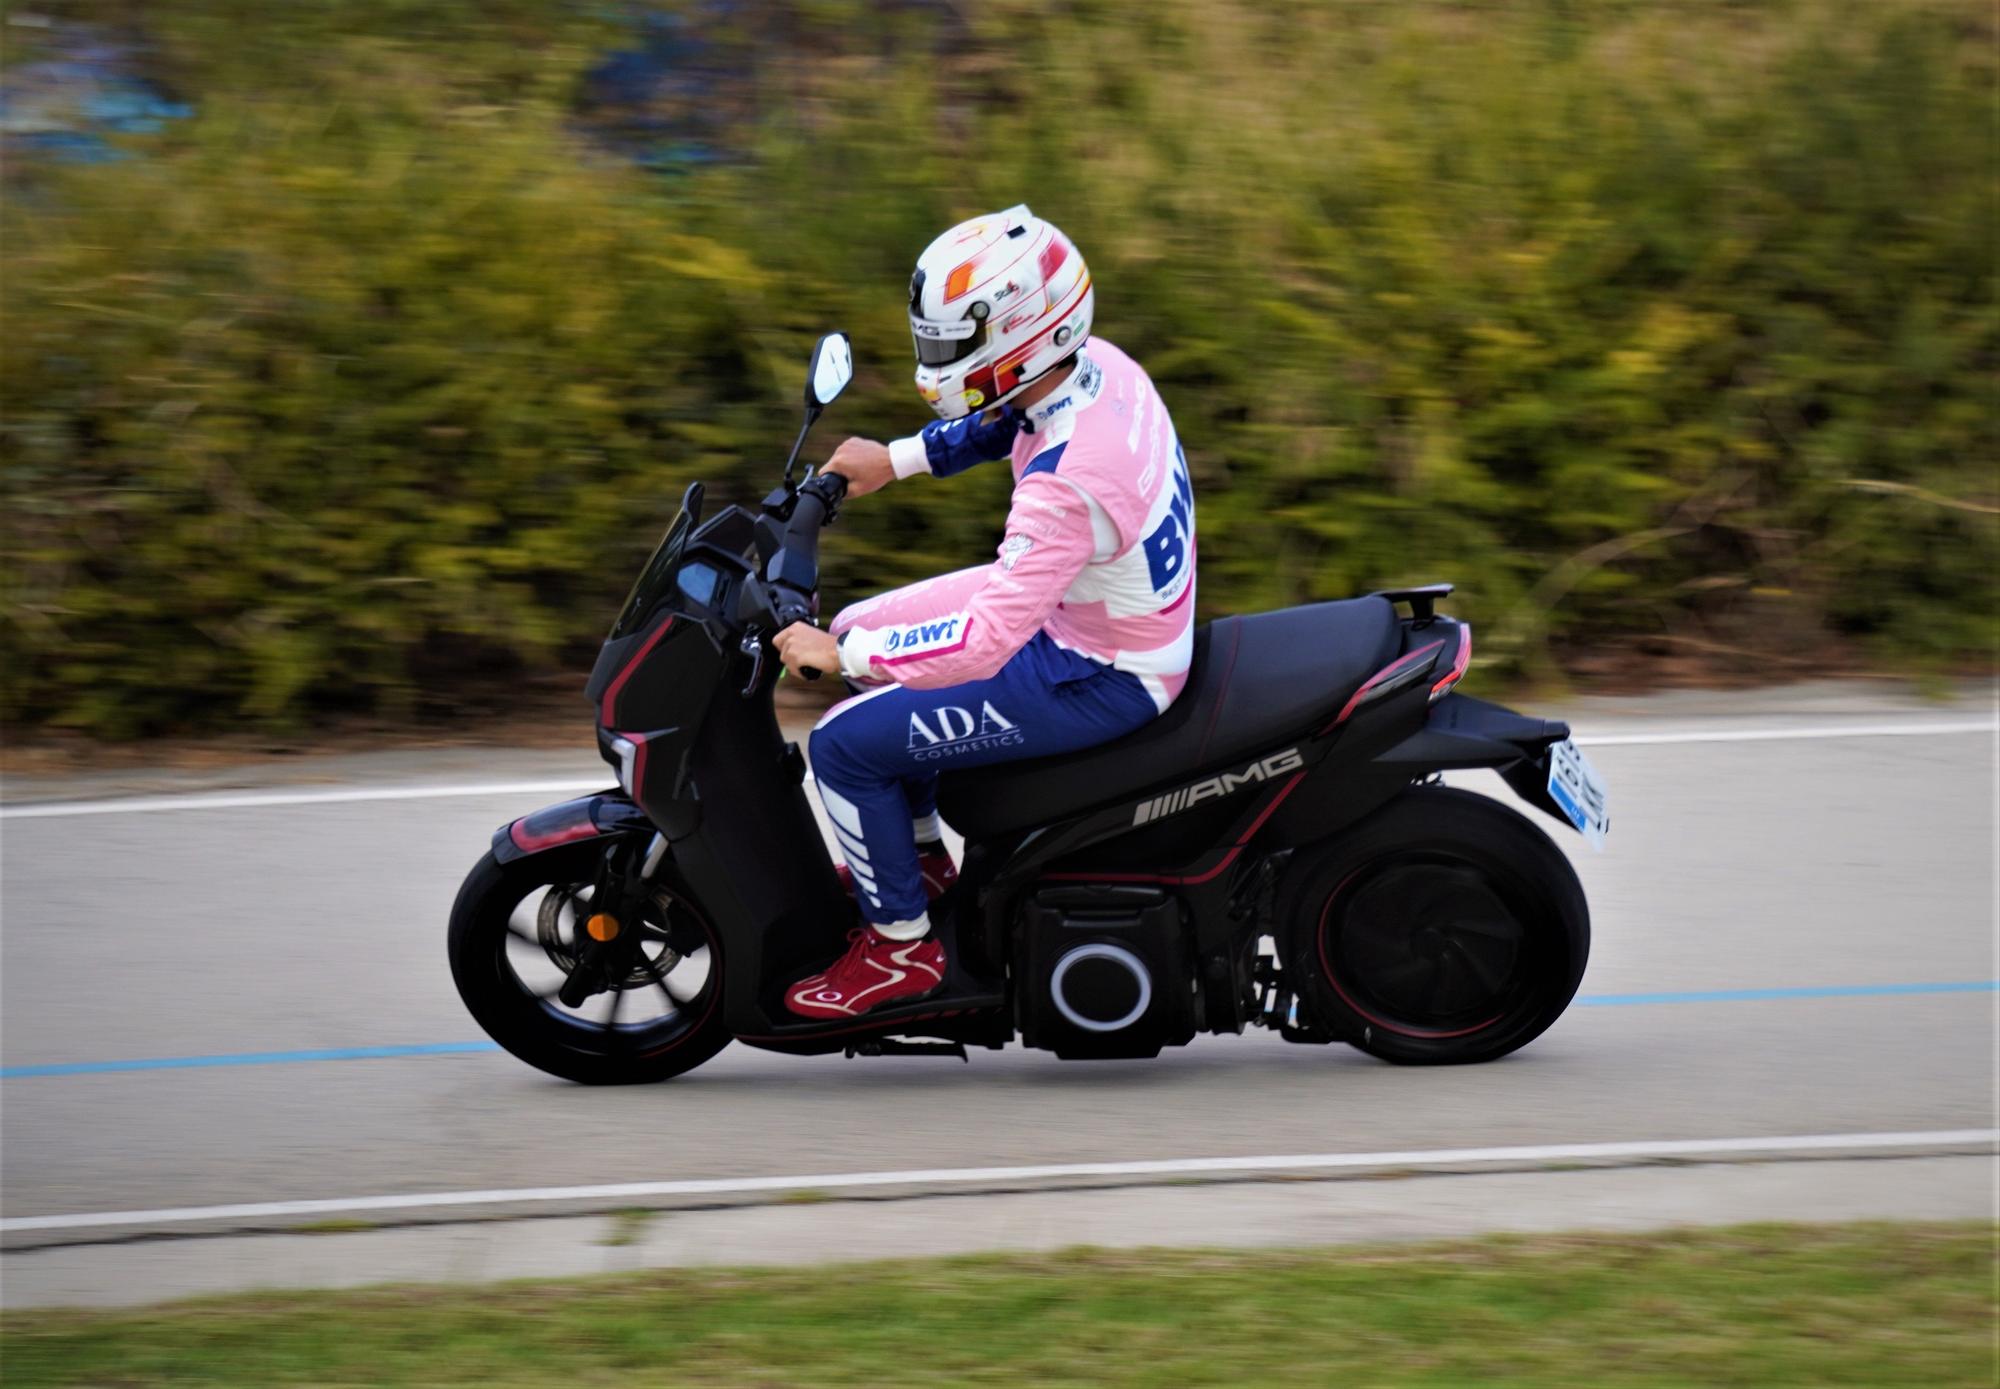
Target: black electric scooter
<point>1275,850</point>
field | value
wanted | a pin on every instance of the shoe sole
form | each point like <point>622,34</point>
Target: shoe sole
<point>900,1001</point>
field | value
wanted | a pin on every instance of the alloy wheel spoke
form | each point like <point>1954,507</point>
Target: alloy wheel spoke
<point>659,977</point>
<point>1422,901</point>
<point>1496,927</point>
<point>1481,968</point>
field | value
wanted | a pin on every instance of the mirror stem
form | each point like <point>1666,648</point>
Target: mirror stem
<point>812,415</point>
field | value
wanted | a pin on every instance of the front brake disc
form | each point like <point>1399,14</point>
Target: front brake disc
<point>562,953</point>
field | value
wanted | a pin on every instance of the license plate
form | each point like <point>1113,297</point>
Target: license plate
<point>1575,786</point>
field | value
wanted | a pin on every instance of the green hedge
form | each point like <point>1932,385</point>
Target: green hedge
<point>378,377</point>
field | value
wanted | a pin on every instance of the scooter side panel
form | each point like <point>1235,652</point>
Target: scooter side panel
<point>758,861</point>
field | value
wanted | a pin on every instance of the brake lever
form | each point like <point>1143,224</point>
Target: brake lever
<point>752,646</point>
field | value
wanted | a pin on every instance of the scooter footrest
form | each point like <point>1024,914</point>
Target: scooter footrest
<point>891,1046</point>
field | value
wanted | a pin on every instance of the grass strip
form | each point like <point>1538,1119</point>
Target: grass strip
<point>1870,1305</point>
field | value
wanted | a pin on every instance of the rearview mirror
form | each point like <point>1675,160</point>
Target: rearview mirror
<point>832,368</point>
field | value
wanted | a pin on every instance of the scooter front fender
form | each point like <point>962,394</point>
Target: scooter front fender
<point>569,822</point>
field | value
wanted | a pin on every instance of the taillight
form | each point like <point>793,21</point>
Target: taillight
<point>1458,665</point>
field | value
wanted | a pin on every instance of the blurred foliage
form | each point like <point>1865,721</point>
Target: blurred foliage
<point>378,377</point>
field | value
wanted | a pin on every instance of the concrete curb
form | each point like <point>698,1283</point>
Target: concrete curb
<point>1354,1209</point>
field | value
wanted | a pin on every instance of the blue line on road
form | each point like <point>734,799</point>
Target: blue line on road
<point>245,1058</point>
<point>1963,986</point>
<point>278,1058</point>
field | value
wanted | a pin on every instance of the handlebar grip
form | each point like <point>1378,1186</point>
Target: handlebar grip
<point>789,611</point>
<point>795,569</point>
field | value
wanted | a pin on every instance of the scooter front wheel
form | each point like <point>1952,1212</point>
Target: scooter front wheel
<point>518,932</point>
<point>1446,929</point>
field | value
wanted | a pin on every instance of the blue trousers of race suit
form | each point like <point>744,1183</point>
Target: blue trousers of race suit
<point>876,757</point>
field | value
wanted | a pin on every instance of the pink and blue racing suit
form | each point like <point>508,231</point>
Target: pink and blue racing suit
<point>1079,631</point>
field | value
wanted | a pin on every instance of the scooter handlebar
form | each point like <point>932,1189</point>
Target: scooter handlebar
<point>794,570</point>
<point>831,487</point>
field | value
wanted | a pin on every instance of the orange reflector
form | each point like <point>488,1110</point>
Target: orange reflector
<point>602,927</point>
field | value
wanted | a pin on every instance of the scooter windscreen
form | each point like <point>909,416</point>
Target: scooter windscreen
<point>655,579</point>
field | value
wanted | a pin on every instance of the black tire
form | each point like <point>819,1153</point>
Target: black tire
<point>1444,930</point>
<point>489,952</point>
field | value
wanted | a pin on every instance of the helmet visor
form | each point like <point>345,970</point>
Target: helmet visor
<point>941,344</point>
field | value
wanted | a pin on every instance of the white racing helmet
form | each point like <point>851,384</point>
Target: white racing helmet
<point>996,303</point>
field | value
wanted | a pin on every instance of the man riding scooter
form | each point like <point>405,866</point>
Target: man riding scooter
<point>1079,631</point>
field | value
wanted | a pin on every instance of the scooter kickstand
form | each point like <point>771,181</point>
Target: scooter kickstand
<point>890,1046</point>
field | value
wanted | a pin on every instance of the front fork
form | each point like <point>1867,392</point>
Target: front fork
<point>611,932</point>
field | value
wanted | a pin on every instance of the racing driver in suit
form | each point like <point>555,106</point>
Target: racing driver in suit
<point>1081,628</point>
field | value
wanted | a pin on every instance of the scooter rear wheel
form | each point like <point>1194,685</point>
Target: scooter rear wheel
<point>514,939</point>
<point>1445,930</point>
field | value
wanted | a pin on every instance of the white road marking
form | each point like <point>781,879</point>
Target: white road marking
<point>246,800</point>
<point>1643,1150</point>
<point>575,786</point>
<point>1781,735</point>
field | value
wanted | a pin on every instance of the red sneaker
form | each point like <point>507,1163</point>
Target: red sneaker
<point>938,870</point>
<point>875,970</point>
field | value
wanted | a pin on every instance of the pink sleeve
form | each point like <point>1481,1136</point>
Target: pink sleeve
<point>1047,544</point>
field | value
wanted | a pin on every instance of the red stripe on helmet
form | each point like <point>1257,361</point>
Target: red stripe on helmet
<point>1026,349</point>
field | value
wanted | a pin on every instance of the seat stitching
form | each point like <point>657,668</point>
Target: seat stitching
<point>1222,696</point>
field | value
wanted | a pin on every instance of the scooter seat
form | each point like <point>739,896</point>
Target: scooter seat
<point>1253,682</point>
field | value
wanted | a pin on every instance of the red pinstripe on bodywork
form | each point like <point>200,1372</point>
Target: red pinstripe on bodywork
<point>1459,663</point>
<point>608,710</point>
<point>1195,879</point>
<point>1388,672</point>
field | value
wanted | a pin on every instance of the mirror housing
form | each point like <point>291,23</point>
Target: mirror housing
<point>831,370</point>
<point>829,373</point>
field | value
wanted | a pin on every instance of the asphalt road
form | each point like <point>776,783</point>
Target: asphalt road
<point>1782,866</point>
